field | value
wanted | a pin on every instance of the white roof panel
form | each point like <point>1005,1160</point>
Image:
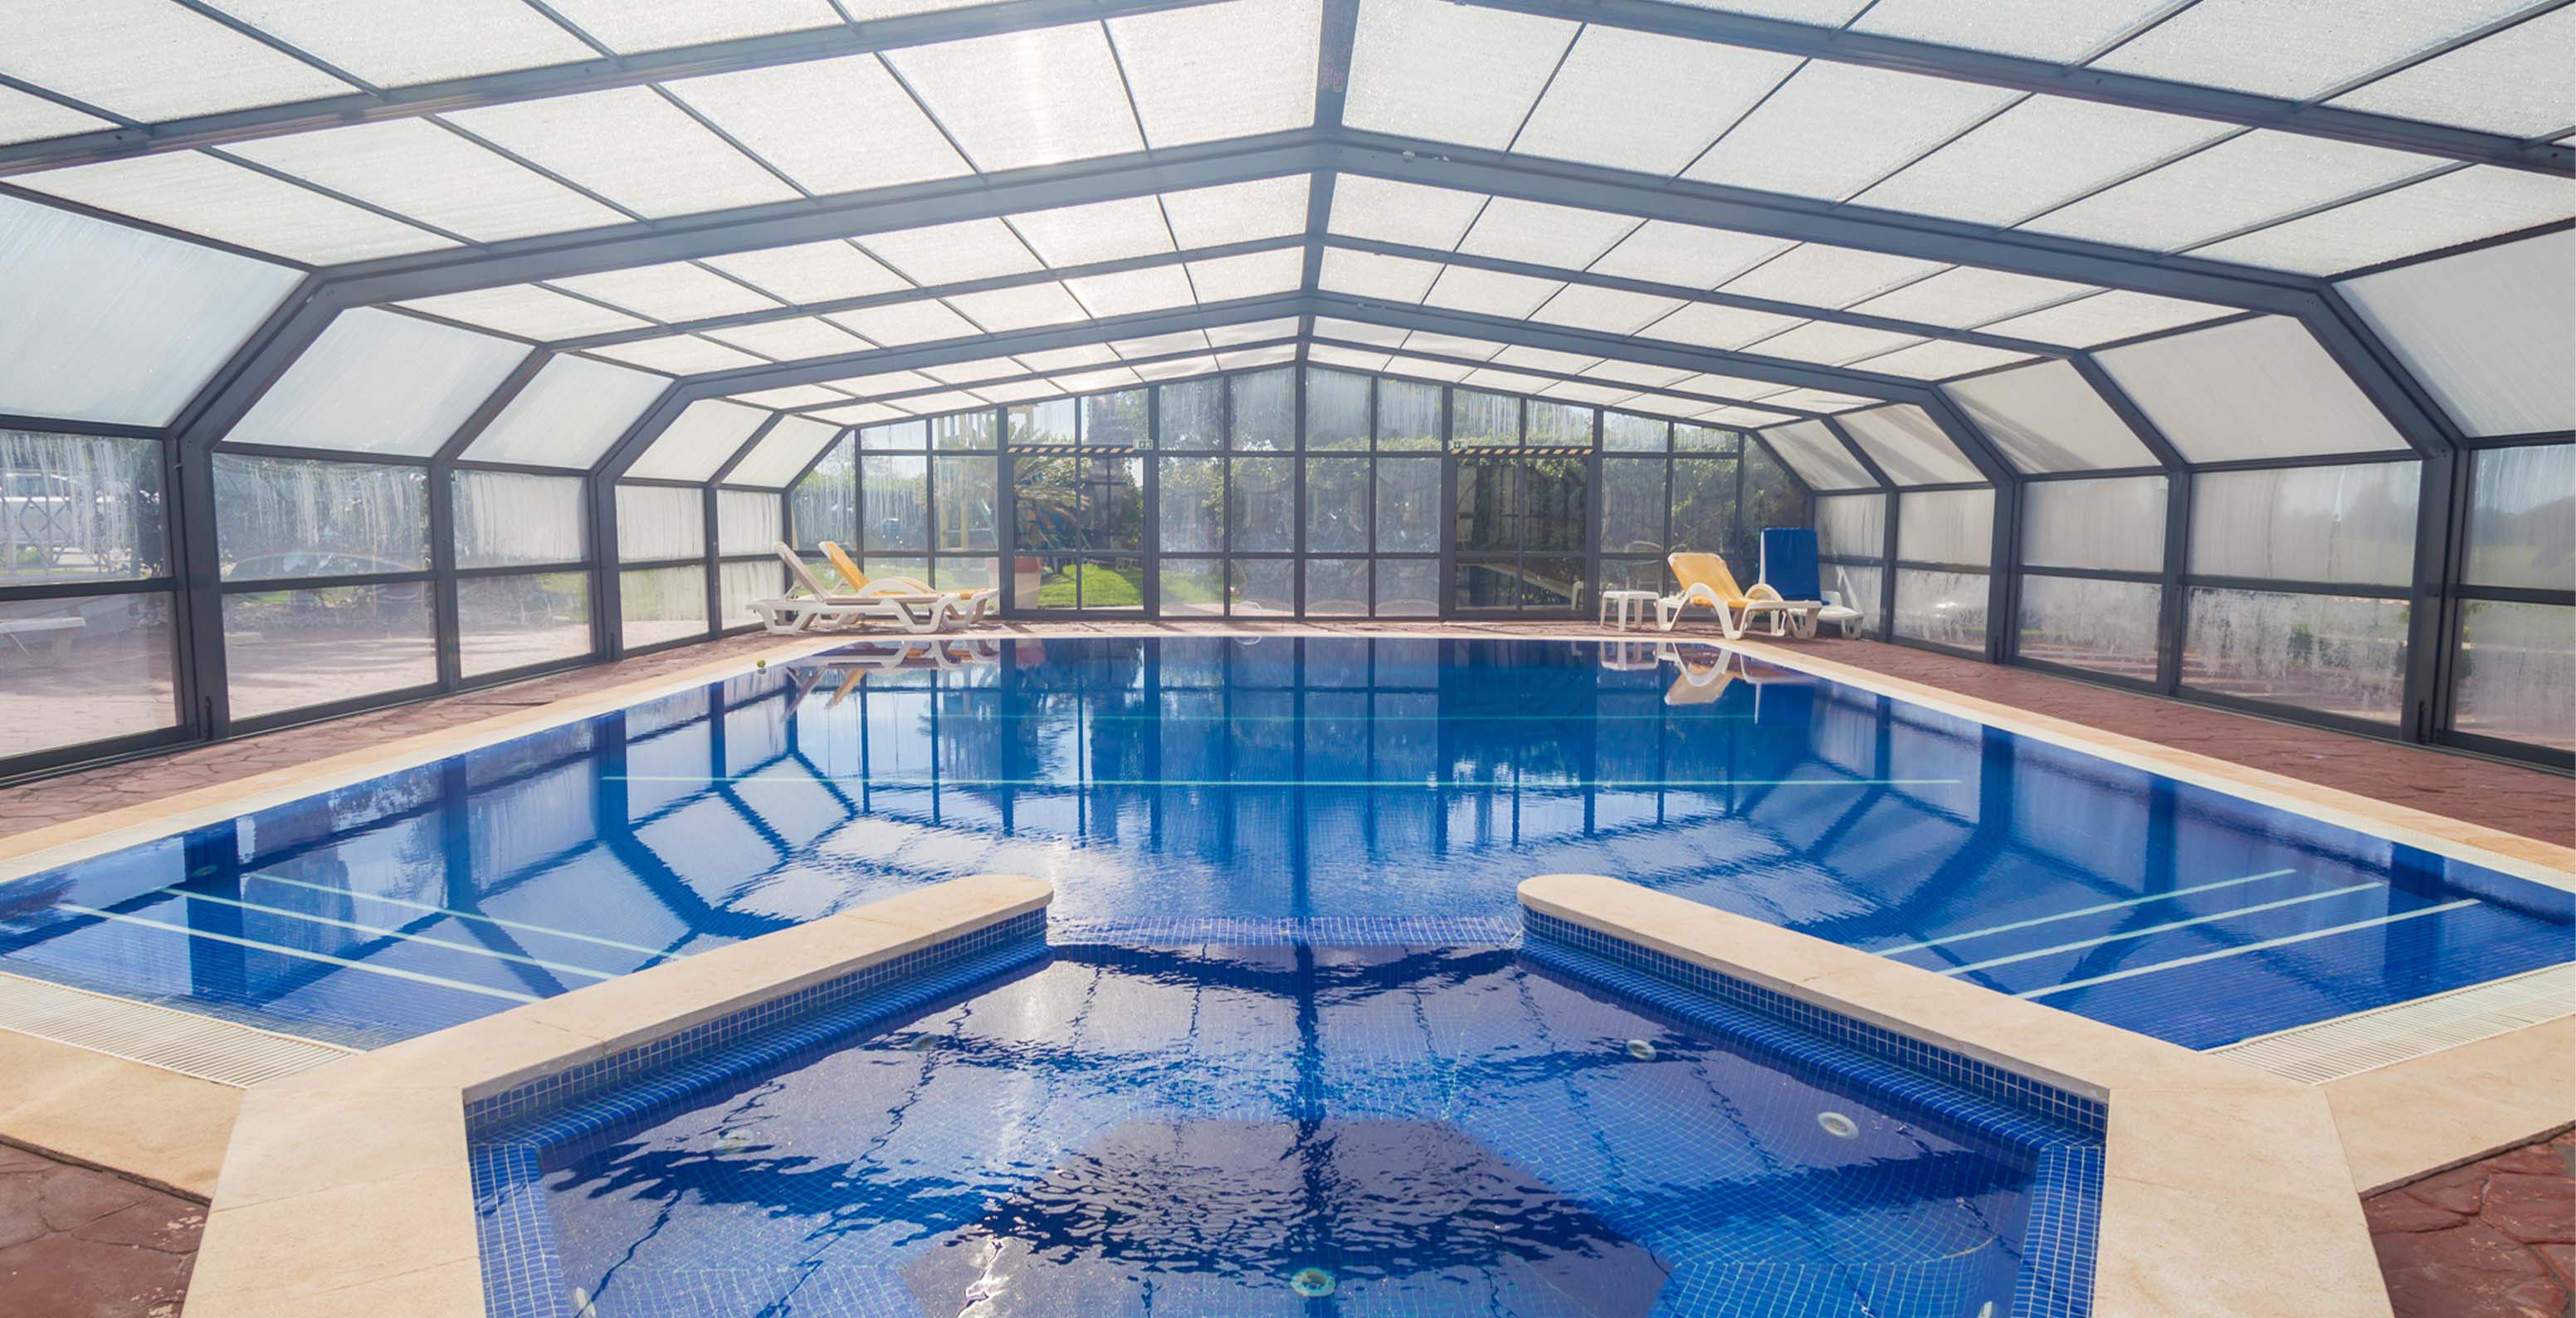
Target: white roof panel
<point>1645,101</point>
<point>2295,51</point>
<point>568,415</point>
<point>952,253</point>
<point>1450,73</point>
<point>699,440</point>
<point>1223,70</point>
<point>1237,212</point>
<point>631,146</point>
<point>671,292</point>
<point>1017,99</point>
<point>416,168</point>
<point>2039,154</point>
<point>1099,231</point>
<point>810,272</point>
<point>151,60</point>
<point>1833,129</point>
<point>2247,180</point>
<point>630,26</point>
<point>1541,234</point>
<point>836,125</point>
<point>397,43</point>
<point>195,193</point>
<point>527,310</point>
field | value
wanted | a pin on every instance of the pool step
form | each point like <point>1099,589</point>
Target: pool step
<point>189,1044</point>
<point>2363,1041</point>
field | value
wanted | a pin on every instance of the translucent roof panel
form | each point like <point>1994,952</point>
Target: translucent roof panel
<point>1686,255</point>
<point>702,438</point>
<point>790,340</point>
<point>1940,359</point>
<point>1831,344</point>
<point>1966,296</point>
<point>197,193</point>
<point>1608,310</point>
<point>1450,73</point>
<point>396,43</point>
<point>631,26</point>
<point>151,60</point>
<point>1644,101</point>
<point>2045,417</point>
<point>1017,99</point>
<point>527,310</point>
<point>1832,130</point>
<point>1254,274</point>
<point>2107,318</point>
<point>2514,82</point>
<point>898,323</point>
<point>2253,179</point>
<point>1489,292</point>
<point>1818,456</point>
<point>2258,388</point>
<point>2040,29</point>
<point>1100,231</point>
<point>568,415</point>
<point>792,395</point>
<point>415,168</point>
<point>1908,445</point>
<point>1819,400</point>
<point>671,292</point>
<point>952,253</point>
<point>1237,212</point>
<point>1028,306</point>
<point>1541,234</point>
<point>2489,332</point>
<point>2294,51</point>
<point>1392,211</point>
<point>1711,326</point>
<point>1820,275</point>
<point>677,354</point>
<point>1379,278</point>
<point>379,381</point>
<point>810,272</point>
<point>135,323</point>
<point>782,452</point>
<point>2443,211</point>
<point>28,118</point>
<point>2039,154</point>
<point>836,125</point>
<point>1222,70</point>
<point>1546,359</point>
<point>631,146</point>
<point>1333,355</point>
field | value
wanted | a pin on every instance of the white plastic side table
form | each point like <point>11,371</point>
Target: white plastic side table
<point>1631,606</point>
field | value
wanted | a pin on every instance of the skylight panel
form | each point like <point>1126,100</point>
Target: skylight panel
<point>2106,317</point>
<point>1909,445</point>
<point>1390,211</point>
<point>702,438</point>
<point>1832,344</point>
<point>1247,358</point>
<point>1727,386</point>
<point>2293,51</point>
<point>810,272</point>
<point>151,61</point>
<point>1637,373</point>
<point>630,26</point>
<point>1593,394</point>
<point>1034,97</point>
<point>1645,101</point>
<point>2046,417</point>
<point>952,253</point>
<point>1379,278</point>
<point>1712,326</point>
<point>27,118</point>
<point>2488,331</point>
<point>1546,359</point>
<point>1016,392</point>
<point>1326,354</point>
<point>883,382</point>
<point>1541,234</point>
<point>2513,82</point>
<point>2247,180</point>
<point>1027,307</point>
<point>1940,359</point>
<point>899,323</point>
<point>1489,292</point>
<point>1100,231</point>
<point>1686,255</point>
<point>527,310</point>
<point>1819,400</point>
<point>1818,456</point>
<point>1092,382</point>
<point>981,368</point>
<point>954,400</point>
<point>1834,129</point>
<point>672,292</point>
<point>1237,212</point>
<point>1658,405</point>
<point>2050,30</point>
<point>1383,336</point>
<point>1507,381</point>
<point>1816,275</point>
<point>1452,345</point>
<point>677,354</point>
<point>782,452</point>
<point>1816,13</point>
<point>790,340</point>
<point>794,395</point>
<point>2036,155</point>
<point>1450,73</point>
<point>2461,206</point>
<point>1609,310</point>
<point>2257,388</point>
<point>1254,274</point>
<point>1157,345</point>
<point>398,43</point>
<point>1177,369</point>
<point>196,193</point>
<point>864,414</point>
<point>836,125</point>
<point>1252,331</point>
<point>379,381</point>
<point>1963,296</point>
<point>1066,359</point>
<point>569,414</point>
<point>1426,370</point>
<point>416,168</point>
<point>1222,70</point>
<point>1742,418</point>
<point>629,145</point>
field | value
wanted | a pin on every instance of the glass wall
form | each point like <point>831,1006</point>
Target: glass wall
<point>328,596</point>
<point>1944,552</point>
<point>522,594</point>
<point>2092,575</point>
<point>2515,651</point>
<point>663,581</point>
<point>87,627</point>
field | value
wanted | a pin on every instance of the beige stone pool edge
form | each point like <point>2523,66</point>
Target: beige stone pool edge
<point>348,1190</point>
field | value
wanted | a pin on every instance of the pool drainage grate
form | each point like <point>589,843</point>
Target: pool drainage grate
<point>2365,1041</point>
<point>200,1046</point>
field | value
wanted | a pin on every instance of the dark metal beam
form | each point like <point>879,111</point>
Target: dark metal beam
<point>2021,73</point>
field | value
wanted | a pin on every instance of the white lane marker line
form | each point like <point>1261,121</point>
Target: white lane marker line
<point>1638,785</point>
<point>380,930</point>
<point>2249,947</point>
<point>2080,911</point>
<point>2160,928</point>
<point>395,972</point>
<point>520,925</point>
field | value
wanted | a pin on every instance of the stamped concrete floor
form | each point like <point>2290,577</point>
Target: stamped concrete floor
<point>78,1243</point>
<point>2494,1239</point>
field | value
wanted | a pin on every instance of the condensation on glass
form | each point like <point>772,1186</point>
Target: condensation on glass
<point>515,519</point>
<point>288,650</point>
<point>2350,525</point>
<point>283,518</point>
<point>2330,654</point>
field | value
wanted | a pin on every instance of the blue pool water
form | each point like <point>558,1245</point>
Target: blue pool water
<point>1319,780</point>
<point>1291,1129</point>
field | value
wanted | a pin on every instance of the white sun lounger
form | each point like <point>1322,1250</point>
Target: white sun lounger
<point>817,610</point>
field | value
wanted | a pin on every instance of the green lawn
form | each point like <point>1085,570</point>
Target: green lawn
<point>1101,588</point>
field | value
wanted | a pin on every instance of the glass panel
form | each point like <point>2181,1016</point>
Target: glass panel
<point>1113,583</point>
<point>1263,587</point>
<point>142,321</point>
<point>903,436</point>
<point>1819,456</point>
<point>659,522</point>
<point>894,501</point>
<point>1476,417</point>
<point>1852,526</point>
<point>1265,410</point>
<point>1634,574</point>
<point>1909,446</point>
<point>1705,439</point>
<point>1044,490</point>
<point>1556,504</point>
<point>1337,588</point>
<point>962,430</point>
<point>1704,512</point>
<point>2258,388</point>
<point>965,573</point>
<point>1193,415</point>
<point>1040,424</point>
<point>2105,626</point>
<point>662,604</point>
<point>295,649</point>
<point>2490,332</point>
<point>279,517</point>
<point>1946,526</point>
<point>824,505</point>
<point>1552,585</point>
<point>1488,511</point>
<point>746,522</point>
<point>1263,499</point>
<point>2047,418</point>
<point>701,439</point>
<point>1855,588</point>
<point>1945,608</point>
<point>1337,410</point>
<point>1560,423</point>
<point>969,516</point>
<point>81,670</point>
<point>2117,524</point>
<point>1116,420</point>
<point>1408,588</point>
<point>1113,506</point>
<point>2522,518</point>
<point>782,453</point>
<point>1622,432</point>
<point>1408,415</point>
<point>80,508</point>
<point>508,517</point>
<point>2517,673</point>
<point>568,415</point>
<point>1192,513</point>
<point>2321,524</point>
<point>380,382</point>
<point>1337,506</point>
<point>738,584</point>
<point>1632,505</point>
<point>1408,507</point>
<point>1770,499</point>
<point>513,622</point>
<point>2329,653</point>
<point>1192,586</point>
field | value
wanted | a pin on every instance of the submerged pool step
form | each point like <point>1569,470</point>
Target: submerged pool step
<point>2364,1041</point>
<point>184,1042</point>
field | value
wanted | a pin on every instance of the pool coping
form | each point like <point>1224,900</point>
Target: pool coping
<point>2225,1190</point>
<point>350,1189</point>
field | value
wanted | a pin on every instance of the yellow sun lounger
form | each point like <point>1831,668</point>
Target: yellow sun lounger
<point>819,610</point>
<point>1707,584</point>
<point>973,604</point>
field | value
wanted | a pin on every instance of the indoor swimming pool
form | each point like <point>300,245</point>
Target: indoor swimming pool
<point>1358,790</point>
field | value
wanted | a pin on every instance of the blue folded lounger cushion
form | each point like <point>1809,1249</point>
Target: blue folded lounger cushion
<point>1789,563</point>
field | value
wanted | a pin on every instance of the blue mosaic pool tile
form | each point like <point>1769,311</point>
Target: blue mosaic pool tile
<point>1334,930</point>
